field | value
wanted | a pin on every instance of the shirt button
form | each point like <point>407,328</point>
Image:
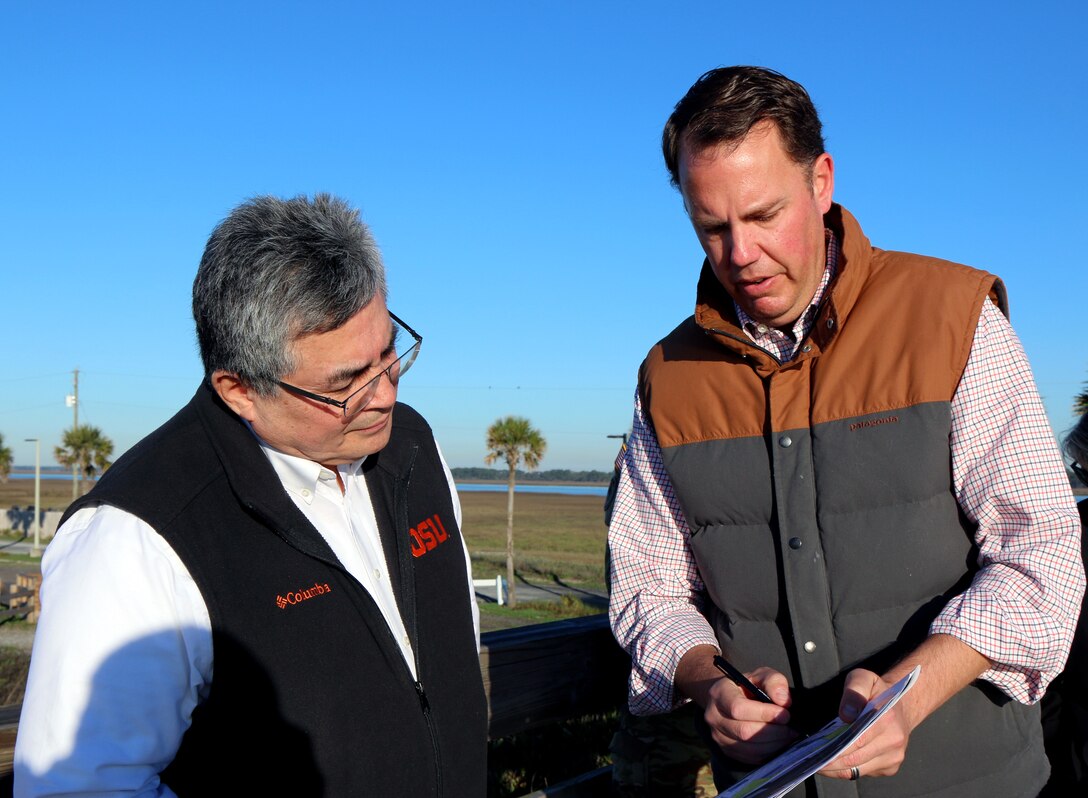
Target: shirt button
<point>785,441</point>
<point>810,646</point>
<point>795,543</point>
<point>761,328</point>
<point>377,575</point>
<point>305,493</point>
<point>831,324</point>
<point>806,348</point>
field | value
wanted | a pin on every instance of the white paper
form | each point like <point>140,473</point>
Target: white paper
<point>805,757</point>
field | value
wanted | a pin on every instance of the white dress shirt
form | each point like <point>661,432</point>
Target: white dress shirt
<point>112,588</point>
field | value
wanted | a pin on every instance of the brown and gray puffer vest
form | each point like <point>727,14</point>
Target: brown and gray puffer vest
<point>819,496</point>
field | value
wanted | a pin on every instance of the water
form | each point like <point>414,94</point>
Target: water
<point>570,490</point>
<point>45,476</point>
<point>470,487</point>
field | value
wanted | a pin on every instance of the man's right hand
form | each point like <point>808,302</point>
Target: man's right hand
<point>747,730</point>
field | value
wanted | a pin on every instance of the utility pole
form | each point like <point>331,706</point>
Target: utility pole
<point>37,550</point>
<point>74,398</point>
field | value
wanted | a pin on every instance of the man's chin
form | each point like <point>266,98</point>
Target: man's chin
<point>368,440</point>
<point>769,311</point>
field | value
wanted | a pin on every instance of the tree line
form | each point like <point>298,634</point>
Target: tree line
<point>552,475</point>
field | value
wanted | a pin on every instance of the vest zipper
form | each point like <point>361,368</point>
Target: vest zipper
<point>425,705</point>
<point>744,340</point>
<point>423,702</point>
<point>406,602</point>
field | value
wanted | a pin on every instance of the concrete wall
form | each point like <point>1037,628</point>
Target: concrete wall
<point>22,519</point>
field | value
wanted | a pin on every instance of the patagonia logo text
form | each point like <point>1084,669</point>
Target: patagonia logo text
<point>875,422</point>
<point>427,534</point>
<point>299,596</point>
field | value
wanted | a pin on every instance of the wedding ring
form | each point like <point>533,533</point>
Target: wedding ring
<point>855,774</point>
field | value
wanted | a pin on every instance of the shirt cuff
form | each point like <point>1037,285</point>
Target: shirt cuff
<point>657,656</point>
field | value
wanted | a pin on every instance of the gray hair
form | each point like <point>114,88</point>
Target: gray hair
<point>1076,442</point>
<point>275,270</point>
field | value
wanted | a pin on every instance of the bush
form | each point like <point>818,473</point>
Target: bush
<point>532,760</point>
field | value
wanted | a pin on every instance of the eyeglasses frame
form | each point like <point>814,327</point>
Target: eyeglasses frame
<point>343,403</point>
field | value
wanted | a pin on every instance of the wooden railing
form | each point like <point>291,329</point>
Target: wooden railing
<point>533,675</point>
<point>21,600</point>
<point>550,672</point>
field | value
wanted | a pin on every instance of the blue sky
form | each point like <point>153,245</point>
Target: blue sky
<point>506,156</point>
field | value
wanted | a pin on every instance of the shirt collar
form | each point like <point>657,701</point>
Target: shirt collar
<point>297,474</point>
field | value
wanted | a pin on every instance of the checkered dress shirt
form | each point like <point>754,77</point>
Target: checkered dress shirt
<point>1008,477</point>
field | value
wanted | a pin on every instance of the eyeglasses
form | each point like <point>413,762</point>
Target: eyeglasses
<point>358,399</point>
<point>1080,471</point>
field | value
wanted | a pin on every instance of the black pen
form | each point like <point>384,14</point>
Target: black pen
<point>740,680</point>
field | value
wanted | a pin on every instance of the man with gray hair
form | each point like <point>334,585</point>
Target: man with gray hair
<point>839,469</point>
<point>270,594</point>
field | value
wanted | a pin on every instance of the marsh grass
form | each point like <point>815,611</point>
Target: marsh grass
<point>14,663</point>
<point>556,536</point>
<point>56,494</point>
<point>529,612</point>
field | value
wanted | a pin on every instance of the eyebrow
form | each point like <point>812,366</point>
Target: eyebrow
<point>767,207</point>
<point>714,223</point>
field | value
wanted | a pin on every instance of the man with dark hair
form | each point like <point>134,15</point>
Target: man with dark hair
<point>270,594</point>
<point>839,469</point>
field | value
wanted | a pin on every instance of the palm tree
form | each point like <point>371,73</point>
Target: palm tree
<point>514,440</point>
<point>1080,403</point>
<point>86,448</point>
<point>5,460</point>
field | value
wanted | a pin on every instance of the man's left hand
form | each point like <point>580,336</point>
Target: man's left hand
<point>883,747</point>
<point>947,666</point>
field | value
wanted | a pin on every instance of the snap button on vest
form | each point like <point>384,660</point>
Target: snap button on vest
<point>795,543</point>
<point>810,646</point>
<point>785,441</point>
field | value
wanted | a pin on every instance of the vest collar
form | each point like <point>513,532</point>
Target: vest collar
<point>252,477</point>
<point>716,313</point>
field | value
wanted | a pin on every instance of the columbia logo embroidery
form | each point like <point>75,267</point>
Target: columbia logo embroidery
<point>427,534</point>
<point>874,422</point>
<point>299,596</point>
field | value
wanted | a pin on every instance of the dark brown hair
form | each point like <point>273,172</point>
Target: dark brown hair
<point>725,103</point>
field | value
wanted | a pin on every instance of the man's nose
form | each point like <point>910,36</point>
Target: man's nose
<point>386,391</point>
<point>743,247</point>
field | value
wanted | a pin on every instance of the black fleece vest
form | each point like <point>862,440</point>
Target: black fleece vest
<point>311,695</point>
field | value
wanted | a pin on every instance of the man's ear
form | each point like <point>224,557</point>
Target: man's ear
<point>234,393</point>
<point>823,181</point>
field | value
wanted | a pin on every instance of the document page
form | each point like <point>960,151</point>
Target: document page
<point>805,757</point>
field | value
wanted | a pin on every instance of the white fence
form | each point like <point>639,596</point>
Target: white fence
<point>498,583</point>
